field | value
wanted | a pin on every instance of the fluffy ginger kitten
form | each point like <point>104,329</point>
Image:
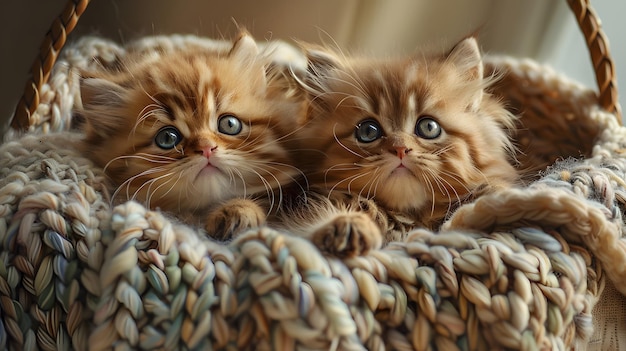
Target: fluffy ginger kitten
<point>392,144</point>
<point>196,133</point>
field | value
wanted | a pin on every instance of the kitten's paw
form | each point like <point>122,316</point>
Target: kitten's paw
<point>349,234</point>
<point>234,217</point>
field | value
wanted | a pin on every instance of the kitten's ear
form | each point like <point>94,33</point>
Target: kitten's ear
<point>245,52</point>
<point>244,49</point>
<point>102,101</point>
<point>467,58</point>
<point>97,92</point>
<point>285,69</point>
<point>320,62</point>
<point>320,67</point>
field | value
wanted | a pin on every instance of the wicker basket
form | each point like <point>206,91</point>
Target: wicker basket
<point>534,268</point>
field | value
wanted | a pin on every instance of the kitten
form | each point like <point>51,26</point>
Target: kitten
<point>197,133</point>
<point>397,143</point>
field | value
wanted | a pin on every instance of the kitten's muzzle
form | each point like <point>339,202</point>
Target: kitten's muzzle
<point>400,151</point>
<point>206,151</point>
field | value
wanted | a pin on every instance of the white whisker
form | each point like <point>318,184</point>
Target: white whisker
<point>342,145</point>
<point>349,180</point>
<point>443,150</point>
<point>268,187</point>
<point>455,178</point>
<point>345,168</point>
<point>150,193</point>
<point>375,180</point>
<point>243,182</point>
<point>142,156</point>
<point>432,192</point>
<point>126,184</point>
<point>442,188</point>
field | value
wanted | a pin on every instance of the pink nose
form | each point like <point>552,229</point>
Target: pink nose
<point>401,151</point>
<point>207,151</point>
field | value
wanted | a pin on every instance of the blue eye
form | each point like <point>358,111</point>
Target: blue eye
<point>229,124</point>
<point>428,128</point>
<point>167,138</point>
<point>368,131</point>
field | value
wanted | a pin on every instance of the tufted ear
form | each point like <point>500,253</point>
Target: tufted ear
<point>96,92</point>
<point>102,101</point>
<point>245,49</point>
<point>467,58</point>
<point>245,52</point>
<point>321,65</point>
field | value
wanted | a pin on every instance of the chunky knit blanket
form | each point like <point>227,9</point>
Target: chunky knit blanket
<point>529,268</point>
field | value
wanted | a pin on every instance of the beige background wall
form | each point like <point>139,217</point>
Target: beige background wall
<point>540,29</point>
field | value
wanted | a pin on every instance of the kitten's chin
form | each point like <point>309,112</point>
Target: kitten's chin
<point>208,187</point>
<point>209,171</point>
<point>402,191</point>
<point>401,171</point>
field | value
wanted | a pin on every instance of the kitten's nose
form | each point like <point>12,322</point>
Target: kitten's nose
<point>206,151</point>
<point>401,151</point>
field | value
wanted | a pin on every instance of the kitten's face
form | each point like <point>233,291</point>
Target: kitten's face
<point>184,130</point>
<point>416,135</point>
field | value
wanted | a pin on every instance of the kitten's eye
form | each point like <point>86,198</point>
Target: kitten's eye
<point>368,131</point>
<point>428,128</point>
<point>167,138</point>
<point>229,124</point>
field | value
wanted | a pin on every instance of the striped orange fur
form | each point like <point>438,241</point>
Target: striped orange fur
<point>415,137</point>
<point>194,132</point>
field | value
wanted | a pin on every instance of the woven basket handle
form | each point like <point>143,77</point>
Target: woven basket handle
<point>61,27</point>
<point>41,68</point>
<point>598,46</point>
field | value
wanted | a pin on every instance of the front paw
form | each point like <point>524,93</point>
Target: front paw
<point>347,235</point>
<point>234,217</point>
